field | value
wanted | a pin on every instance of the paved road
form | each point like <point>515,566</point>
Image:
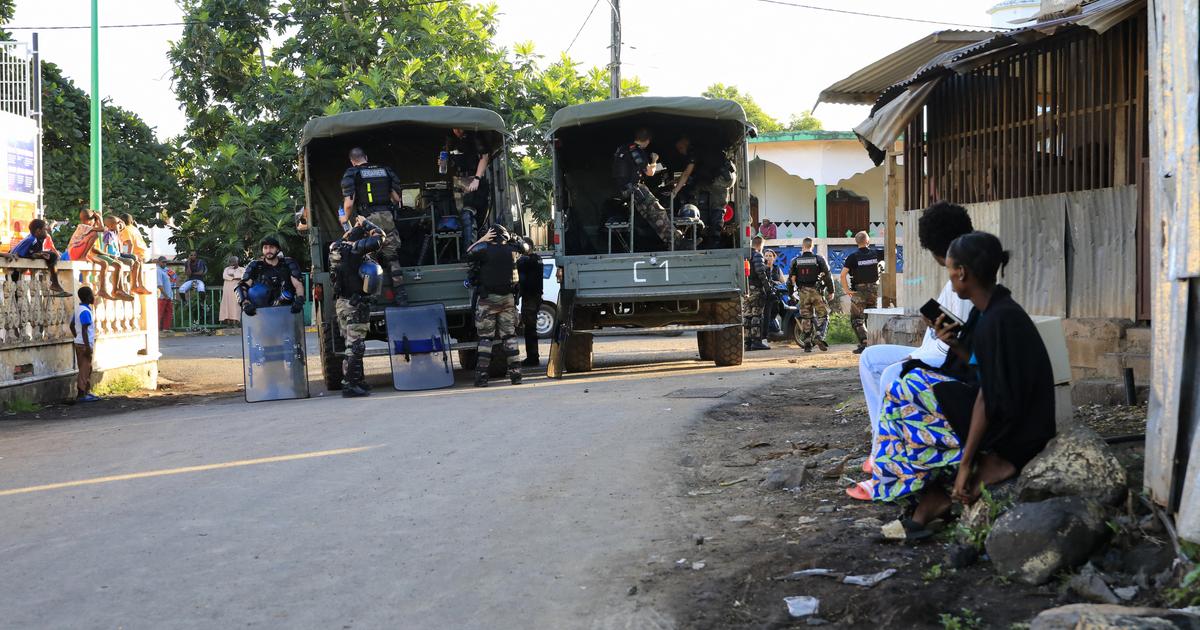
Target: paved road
<point>510,507</point>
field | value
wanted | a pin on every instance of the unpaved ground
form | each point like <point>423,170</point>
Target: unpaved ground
<point>814,415</point>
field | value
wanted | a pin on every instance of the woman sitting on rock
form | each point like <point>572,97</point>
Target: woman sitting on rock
<point>980,417</point>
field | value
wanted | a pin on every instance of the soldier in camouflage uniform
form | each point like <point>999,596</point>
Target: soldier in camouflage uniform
<point>373,191</point>
<point>353,293</point>
<point>860,280</point>
<point>631,164</point>
<point>809,277</point>
<point>762,291</point>
<point>495,256</point>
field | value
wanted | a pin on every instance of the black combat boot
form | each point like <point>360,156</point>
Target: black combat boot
<point>530,362</point>
<point>514,376</point>
<point>481,378</point>
<point>822,345</point>
<point>860,348</point>
<point>808,347</point>
<point>759,344</point>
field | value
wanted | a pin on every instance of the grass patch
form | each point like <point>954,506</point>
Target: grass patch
<point>120,386</point>
<point>966,619</point>
<point>976,536</point>
<point>840,330</point>
<point>20,405</point>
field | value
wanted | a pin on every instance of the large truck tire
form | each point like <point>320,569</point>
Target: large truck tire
<point>577,354</point>
<point>729,344</point>
<point>704,343</point>
<point>331,363</point>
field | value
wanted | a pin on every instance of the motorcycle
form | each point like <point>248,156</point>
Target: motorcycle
<point>783,325</point>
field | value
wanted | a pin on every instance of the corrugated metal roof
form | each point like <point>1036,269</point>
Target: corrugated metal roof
<point>865,86</point>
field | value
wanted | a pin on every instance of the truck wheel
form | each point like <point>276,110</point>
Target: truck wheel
<point>577,354</point>
<point>704,343</point>
<point>467,359</point>
<point>728,343</point>
<point>331,363</point>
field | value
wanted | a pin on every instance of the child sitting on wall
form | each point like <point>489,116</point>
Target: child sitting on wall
<point>38,246</point>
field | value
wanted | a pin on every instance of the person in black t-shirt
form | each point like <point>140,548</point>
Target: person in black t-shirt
<point>529,270</point>
<point>470,154</point>
<point>860,280</point>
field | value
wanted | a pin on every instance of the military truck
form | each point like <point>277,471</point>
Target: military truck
<point>618,277</point>
<point>409,140</point>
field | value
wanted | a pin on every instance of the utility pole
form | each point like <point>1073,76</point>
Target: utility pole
<point>615,64</point>
<point>97,194</point>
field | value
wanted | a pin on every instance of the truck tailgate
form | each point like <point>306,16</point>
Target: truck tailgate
<point>654,276</point>
<point>441,283</point>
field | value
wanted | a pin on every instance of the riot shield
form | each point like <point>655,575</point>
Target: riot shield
<point>419,346</point>
<point>273,355</point>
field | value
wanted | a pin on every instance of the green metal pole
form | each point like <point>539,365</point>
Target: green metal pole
<point>821,211</point>
<point>97,195</point>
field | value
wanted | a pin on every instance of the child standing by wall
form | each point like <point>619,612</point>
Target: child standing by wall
<point>84,328</point>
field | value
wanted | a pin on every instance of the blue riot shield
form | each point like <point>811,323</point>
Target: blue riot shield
<point>273,355</point>
<point>419,345</point>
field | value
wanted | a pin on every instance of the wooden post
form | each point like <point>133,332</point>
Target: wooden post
<point>891,187</point>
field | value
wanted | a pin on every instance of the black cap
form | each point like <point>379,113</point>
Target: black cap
<point>270,240</point>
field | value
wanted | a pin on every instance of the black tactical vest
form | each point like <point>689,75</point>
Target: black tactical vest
<point>807,269</point>
<point>864,266</point>
<point>373,186</point>
<point>498,271</point>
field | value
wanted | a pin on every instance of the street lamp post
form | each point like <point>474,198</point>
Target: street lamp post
<point>97,193</point>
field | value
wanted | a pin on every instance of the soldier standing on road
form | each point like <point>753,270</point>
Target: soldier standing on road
<point>496,256</point>
<point>273,280</point>
<point>631,163</point>
<point>530,269</point>
<point>762,291</point>
<point>374,191</point>
<point>860,280</point>
<point>355,278</point>
<point>469,153</point>
<point>810,277</point>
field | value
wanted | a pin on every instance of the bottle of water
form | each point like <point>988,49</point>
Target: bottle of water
<point>443,162</point>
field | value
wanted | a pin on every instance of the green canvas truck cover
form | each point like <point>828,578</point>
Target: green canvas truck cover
<point>472,118</point>
<point>690,106</point>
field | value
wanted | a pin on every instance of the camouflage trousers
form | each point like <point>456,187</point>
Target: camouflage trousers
<point>354,322</point>
<point>388,253</point>
<point>814,315</point>
<point>496,318</point>
<point>865,296</point>
<point>754,313</point>
<point>652,211</point>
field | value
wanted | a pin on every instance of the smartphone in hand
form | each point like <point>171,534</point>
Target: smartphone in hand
<point>933,309</point>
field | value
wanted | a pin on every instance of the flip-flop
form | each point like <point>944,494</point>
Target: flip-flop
<point>861,491</point>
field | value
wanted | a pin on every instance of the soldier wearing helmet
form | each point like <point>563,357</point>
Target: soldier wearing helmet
<point>495,255</point>
<point>273,280</point>
<point>356,277</point>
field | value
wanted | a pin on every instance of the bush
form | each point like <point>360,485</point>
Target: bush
<point>840,330</point>
<point>119,386</point>
<point>20,405</point>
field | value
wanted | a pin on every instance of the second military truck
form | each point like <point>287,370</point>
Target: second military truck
<point>618,276</point>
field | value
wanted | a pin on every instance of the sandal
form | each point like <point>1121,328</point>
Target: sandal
<point>861,491</point>
<point>905,530</point>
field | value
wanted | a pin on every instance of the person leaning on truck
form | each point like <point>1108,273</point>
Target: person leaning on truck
<point>496,255</point>
<point>631,164</point>
<point>373,191</point>
<point>355,278</point>
<point>469,153</point>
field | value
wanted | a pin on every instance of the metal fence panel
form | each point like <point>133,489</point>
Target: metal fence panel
<point>1103,275</point>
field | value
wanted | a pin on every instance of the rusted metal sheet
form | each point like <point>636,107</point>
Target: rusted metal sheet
<point>1103,278</point>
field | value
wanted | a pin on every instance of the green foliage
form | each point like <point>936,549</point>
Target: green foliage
<point>754,114</point>
<point>119,386</point>
<point>840,330</point>
<point>324,59</point>
<point>977,536</point>
<point>965,620</point>
<point>804,121</point>
<point>137,175</point>
<point>20,405</point>
<point>934,572</point>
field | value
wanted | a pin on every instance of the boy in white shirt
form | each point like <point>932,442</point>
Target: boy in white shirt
<point>879,366</point>
<point>83,326</point>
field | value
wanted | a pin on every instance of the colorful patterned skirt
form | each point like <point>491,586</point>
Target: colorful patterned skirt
<point>917,444</point>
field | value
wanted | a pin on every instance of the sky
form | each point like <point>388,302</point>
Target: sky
<point>782,55</point>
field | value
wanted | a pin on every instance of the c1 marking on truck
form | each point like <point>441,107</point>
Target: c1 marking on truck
<point>665,266</point>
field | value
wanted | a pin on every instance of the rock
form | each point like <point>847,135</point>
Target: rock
<point>1108,616</point>
<point>961,556</point>
<point>869,522</point>
<point>806,520</point>
<point>1075,463</point>
<point>1148,558</point>
<point>741,519</point>
<point>632,591</point>
<point>1033,541</point>
<point>1091,588</point>
<point>1127,593</point>
<point>827,509</point>
<point>785,477</point>
<point>698,539</point>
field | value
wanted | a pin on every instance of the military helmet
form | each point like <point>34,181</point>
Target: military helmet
<point>259,295</point>
<point>449,223</point>
<point>372,276</point>
<point>688,212</point>
<point>501,232</point>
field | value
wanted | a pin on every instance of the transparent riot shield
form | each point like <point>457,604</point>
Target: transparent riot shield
<point>273,355</point>
<point>419,345</point>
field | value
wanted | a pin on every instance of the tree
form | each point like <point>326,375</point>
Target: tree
<point>242,100</point>
<point>137,176</point>
<point>755,115</point>
<point>805,121</point>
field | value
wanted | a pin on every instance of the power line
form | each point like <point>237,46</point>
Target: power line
<point>899,18</point>
<point>217,22</point>
<point>585,21</point>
